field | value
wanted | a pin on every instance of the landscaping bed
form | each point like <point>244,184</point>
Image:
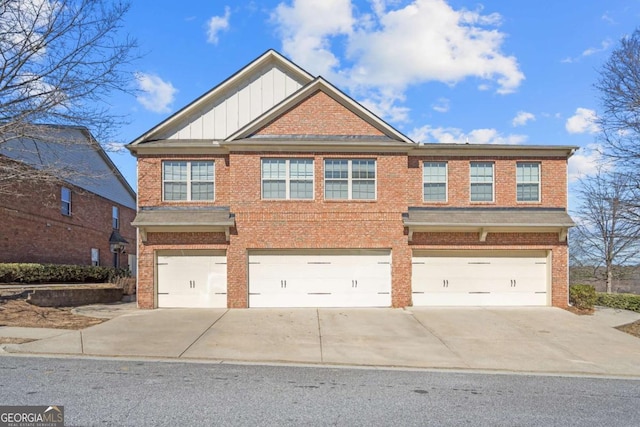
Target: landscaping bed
<point>18,312</point>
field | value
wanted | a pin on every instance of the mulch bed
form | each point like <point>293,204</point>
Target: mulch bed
<point>20,313</point>
<point>631,328</point>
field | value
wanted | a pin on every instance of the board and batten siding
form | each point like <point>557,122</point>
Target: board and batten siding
<point>240,106</point>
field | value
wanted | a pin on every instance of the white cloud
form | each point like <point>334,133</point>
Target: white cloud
<point>585,162</point>
<point>428,134</point>
<point>22,25</point>
<point>157,95</point>
<point>583,121</point>
<point>606,17</point>
<point>217,24</point>
<point>522,118</point>
<point>305,28</point>
<point>114,147</point>
<point>397,45</point>
<point>593,50</point>
<point>383,104</point>
<point>442,105</point>
<point>604,45</point>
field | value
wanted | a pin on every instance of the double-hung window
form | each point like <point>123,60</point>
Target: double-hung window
<point>434,178</point>
<point>287,179</point>
<point>481,181</point>
<point>528,182</point>
<point>188,180</point>
<point>115,217</point>
<point>65,201</point>
<point>349,179</point>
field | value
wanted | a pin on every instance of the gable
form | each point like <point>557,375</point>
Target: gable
<point>319,114</point>
<point>237,106</point>
<point>234,103</point>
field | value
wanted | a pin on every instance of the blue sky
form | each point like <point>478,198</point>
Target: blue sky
<point>514,72</point>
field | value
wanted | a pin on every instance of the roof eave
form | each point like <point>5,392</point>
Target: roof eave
<point>326,146</point>
<point>436,149</point>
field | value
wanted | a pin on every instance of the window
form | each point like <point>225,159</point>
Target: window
<point>190,181</point>
<point>434,178</point>
<point>528,182</point>
<point>350,179</point>
<point>115,217</point>
<point>65,198</point>
<point>95,256</point>
<point>287,178</point>
<point>481,181</point>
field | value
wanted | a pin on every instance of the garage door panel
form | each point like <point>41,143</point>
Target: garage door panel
<point>343,279</point>
<point>459,279</point>
<point>198,281</point>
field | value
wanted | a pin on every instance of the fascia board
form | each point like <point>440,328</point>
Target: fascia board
<point>315,146</point>
<point>481,150</point>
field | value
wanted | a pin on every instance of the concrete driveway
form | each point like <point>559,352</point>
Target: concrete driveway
<point>543,340</point>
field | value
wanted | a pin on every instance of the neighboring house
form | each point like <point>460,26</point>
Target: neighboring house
<point>83,218</point>
<point>275,189</point>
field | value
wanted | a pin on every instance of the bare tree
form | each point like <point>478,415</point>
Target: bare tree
<point>60,61</point>
<point>619,87</point>
<point>606,234</point>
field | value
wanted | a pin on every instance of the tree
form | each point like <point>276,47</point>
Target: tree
<point>606,234</point>
<point>60,61</point>
<point>619,87</point>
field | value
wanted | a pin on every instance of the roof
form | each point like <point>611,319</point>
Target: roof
<point>219,121</point>
<point>438,149</point>
<point>214,216</point>
<point>485,220</point>
<point>76,157</point>
<point>116,237</point>
<point>488,217</point>
<point>184,219</point>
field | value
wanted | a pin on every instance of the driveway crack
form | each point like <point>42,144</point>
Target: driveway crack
<point>319,335</point>
<point>204,332</point>
<point>432,332</point>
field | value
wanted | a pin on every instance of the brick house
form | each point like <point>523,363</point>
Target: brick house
<point>82,218</point>
<point>275,189</point>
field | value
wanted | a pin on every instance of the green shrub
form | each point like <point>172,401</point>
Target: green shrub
<point>621,301</point>
<point>54,273</point>
<point>582,296</point>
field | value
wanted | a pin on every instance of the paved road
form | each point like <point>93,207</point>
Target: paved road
<point>110,392</point>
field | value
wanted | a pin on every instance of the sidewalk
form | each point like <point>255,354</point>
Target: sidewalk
<point>539,340</point>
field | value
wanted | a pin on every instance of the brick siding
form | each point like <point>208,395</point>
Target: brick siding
<point>34,229</point>
<point>341,224</point>
<point>319,114</point>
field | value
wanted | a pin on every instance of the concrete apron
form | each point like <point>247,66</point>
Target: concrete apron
<point>543,340</point>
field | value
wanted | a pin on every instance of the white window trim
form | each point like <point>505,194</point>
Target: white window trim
<point>287,178</point>
<point>539,182</point>
<point>350,180</point>
<point>446,182</point>
<point>189,181</point>
<point>62,200</point>
<point>493,183</point>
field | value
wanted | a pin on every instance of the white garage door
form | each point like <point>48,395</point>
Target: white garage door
<point>513,278</point>
<point>192,279</point>
<point>359,278</point>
